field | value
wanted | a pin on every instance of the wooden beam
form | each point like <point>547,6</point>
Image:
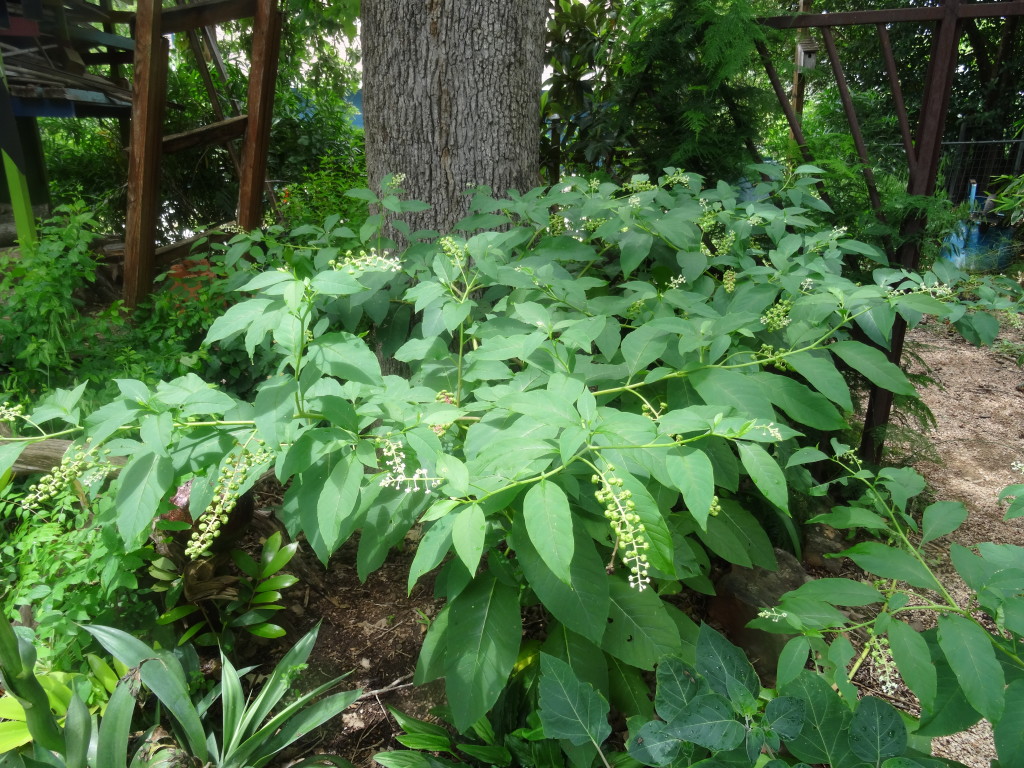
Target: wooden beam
<point>182,18</point>
<point>144,157</point>
<point>214,133</point>
<point>894,15</point>
<point>266,44</point>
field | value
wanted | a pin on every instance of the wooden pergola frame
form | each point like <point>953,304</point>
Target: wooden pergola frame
<point>148,143</point>
<point>923,146</point>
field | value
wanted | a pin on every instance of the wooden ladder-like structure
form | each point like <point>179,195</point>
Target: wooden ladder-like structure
<point>148,144</point>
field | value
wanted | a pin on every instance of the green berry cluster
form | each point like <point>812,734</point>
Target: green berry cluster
<point>457,254</point>
<point>627,530</point>
<point>592,225</point>
<point>776,317</point>
<point>729,281</point>
<point>773,357</point>
<point>9,413</point>
<point>225,495</point>
<point>716,508</point>
<point>73,466</point>
<point>638,184</point>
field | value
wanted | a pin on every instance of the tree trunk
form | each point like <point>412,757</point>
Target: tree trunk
<point>451,98</point>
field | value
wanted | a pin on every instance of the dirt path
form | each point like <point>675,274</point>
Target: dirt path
<point>978,406</point>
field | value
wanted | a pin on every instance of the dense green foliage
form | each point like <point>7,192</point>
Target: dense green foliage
<point>605,388</point>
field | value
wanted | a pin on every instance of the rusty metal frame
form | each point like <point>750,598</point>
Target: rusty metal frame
<point>923,146</point>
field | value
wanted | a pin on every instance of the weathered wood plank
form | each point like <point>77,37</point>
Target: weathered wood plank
<point>185,17</point>
<point>266,44</point>
<point>144,157</point>
<point>214,133</point>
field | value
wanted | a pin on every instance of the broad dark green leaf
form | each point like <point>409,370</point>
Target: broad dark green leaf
<point>801,403</point>
<point>723,386</point>
<point>708,720</point>
<point>483,641</point>
<point>469,530</point>
<point>737,536</point>
<point>785,716</point>
<point>583,604</point>
<point>654,744</point>
<point>549,524</point>
<point>642,347</point>
<point>824,737</point>
<point>639,630</point>
<point>570,709</point>
<point>432,548</point>
<point>723,665</point>
<point>877,731</point>
<point>677,684</point>
<point>969,652</point>
<point>345,356</point>
<point>792,660</point>
<point>588,662</point>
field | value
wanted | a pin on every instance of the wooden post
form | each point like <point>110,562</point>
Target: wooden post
<point>144,152</point>
<point>266,42</point>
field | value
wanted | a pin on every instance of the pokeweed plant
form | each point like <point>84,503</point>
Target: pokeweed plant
<point>969,665</point>
<point>586,394</point>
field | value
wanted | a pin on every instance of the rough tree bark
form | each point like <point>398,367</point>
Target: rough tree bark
<point>451,98</point>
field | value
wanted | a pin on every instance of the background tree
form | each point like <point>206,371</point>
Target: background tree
<point>452,98</point>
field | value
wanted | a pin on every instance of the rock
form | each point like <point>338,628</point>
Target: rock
<point>821,540</point>
<point>741,594</point>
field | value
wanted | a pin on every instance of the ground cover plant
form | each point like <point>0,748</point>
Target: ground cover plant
<point>582,398</point>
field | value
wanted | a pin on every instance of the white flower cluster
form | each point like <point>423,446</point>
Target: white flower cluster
<point>374,261</point>
<point>677,282</point>
<point>395,477</point>
<point>774,614</point>
<point>770,429</point>
<point>886,674</point>
<point>628,531</point>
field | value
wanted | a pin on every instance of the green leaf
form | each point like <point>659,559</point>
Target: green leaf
<point>792,660</point>
<point>677,685</point>
<point>490,754</point>
<point>583,604</point>
<point>639,631</point>
<point>785,716</point>
<point>642,347</point>
<point>709,721</point>
<point>801,403</point>
<point>891,563</point>
<point>432,548</point>
<point>483,642</point>
<point>1009,730</point>
<point>821,372</point>
<point>737,536</point>
<point>877,731</point>
<point>345,356</point>
<point>142,486</point>
<point>654,744</point>
<point>824,737</point>
<point>723,665</point>
<point>838,592</point>
<point>765,472</point>
<point>969,652</point>
<point>873,365</point>
<point>692,473</point>
<point>941,518</point>
<point>570,709</point>
<point>913,659</point>
<point>725,387</point>
<point>549,524</point>
<point>588,662</point>
<point>338,503</point>
<point>468,532</point>
<point>115,727</point>
<point>633,249</point>
<point>454,473</point>
<point>163,675</point>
